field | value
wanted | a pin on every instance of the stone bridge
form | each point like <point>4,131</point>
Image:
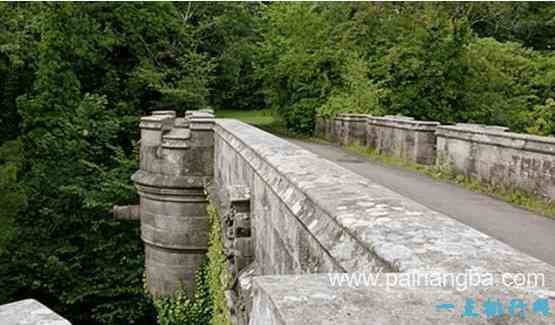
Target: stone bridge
<point>299,228</point>
<point>310,242</point>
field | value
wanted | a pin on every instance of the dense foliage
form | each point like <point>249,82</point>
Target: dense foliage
<point>428,61</point>
<point>75,77</point>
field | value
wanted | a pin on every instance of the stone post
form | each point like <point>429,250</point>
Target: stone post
<point>176,161</point>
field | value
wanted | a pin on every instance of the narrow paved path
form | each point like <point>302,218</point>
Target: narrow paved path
<point>517,227</point>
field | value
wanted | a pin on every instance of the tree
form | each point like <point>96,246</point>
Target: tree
<point>98,67</point>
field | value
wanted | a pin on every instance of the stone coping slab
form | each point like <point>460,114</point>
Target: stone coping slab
<point>167,112</point>
<point>403,123</point>
<point>200,120</point>
<point>352,117</point>
<point>29,312</point>
<point>156,122</point>
<point>313,300</point>
<point>355,219</point>
<point>499,137</point>
<point>483,126</point>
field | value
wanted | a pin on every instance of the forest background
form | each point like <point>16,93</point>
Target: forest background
<point>76,77</point>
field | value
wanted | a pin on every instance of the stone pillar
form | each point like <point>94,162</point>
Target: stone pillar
<point>176,163</point>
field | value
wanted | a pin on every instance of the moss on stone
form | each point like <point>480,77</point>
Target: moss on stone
<point>218,274</point>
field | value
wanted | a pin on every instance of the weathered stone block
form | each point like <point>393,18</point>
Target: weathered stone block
<point>29,312</point>
<point>491,154</point>
<point>126,212</point>
<point>353,128</point>
<point>314,300</point>
<point>403,137</point>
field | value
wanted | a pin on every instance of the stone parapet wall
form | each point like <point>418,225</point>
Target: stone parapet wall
<point>487,152</point>
<point>310,215</point>
<point>398,136</point>
<point>299,199</point>
<point>403,137</point>
<point>344,128</point>
<point>324,128</point>
<point>352,128</point>
<point>500,157</point>
<point>314,300</point>
<point>293,235</point>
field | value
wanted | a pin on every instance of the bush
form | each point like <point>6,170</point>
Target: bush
<point>359,94</point>
<point>299,117</point>
<point>180,309</point>
<point>542,119</point>
<point>420,60</point>
<point>298,61</point>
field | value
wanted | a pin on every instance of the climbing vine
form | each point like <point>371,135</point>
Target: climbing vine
<point>180,309</point>
<point>218,276</point>
<point>208,304</point>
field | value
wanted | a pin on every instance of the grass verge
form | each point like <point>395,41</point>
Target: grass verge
<point>267,120</point>
<point>520,198</point>
<point>261,117</point>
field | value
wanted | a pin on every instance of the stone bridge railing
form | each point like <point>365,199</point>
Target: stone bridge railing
<point>298,224</point>
<point>488,153</point>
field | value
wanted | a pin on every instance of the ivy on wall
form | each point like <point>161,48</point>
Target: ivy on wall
<point>218,275</point>
<point>208,304</point>
<point>180,309</point>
